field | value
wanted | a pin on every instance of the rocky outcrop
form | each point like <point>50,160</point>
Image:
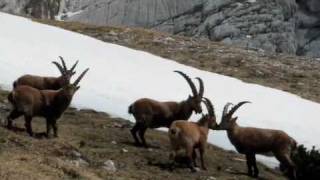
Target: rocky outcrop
<point>281,26</point>
<point>278,26</point>
<point>46,9</point>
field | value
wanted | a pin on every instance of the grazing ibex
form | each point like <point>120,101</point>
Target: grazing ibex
<point>193,135</point>
<point>251,141</point>
<point>150,113</point>
<point>53,83</point>
<point>50,104</point>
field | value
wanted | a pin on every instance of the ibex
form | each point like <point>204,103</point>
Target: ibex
<point>193,135</point>
<point>251,141</point>
<point>150,113</point>
<point>50,104</point>
<point>53,83</point>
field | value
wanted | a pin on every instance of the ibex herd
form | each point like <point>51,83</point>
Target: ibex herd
<point>46,97</point>
<point>49,97</point>
<point>191,136</point>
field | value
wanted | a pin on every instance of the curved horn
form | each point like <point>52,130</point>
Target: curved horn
<point>225,109</point>
<point>187,78</point>
<point>233,110</point>
<point>80,77</point>
<point>58,66</point>
<point>74,66</point>
<point>201,87</point>
<point>209,106</point>
<point>63,63</point>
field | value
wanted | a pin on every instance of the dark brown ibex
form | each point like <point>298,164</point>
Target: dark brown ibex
<point>50,104</point>
<point>150,113</point>
<point>251,141</point>
<point>53,83</point>
<point>193,135</point>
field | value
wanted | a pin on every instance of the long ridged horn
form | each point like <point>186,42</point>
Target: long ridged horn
<point>58,66</point>
<point>234,109</point>
<point>225,109</point>
<point>201,87</point>
<point>74,66</point>
<point>187,78</point>
<point>63,64</point>
<point>210,107</point>
<point>80,77</point>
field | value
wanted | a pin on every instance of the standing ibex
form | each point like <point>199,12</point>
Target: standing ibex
<point>251,141</point>
<point>193,135</point>
<point>150,113</point>
<point>49,104</point>
<point>53,83</point>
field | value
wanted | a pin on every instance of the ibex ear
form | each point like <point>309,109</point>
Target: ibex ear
<point>233,120</point>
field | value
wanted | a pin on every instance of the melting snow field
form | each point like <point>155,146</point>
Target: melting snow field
<point>119,75</point>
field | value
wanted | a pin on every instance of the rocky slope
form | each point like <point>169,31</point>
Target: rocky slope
<point>93,145</point>
<point>285,26</point>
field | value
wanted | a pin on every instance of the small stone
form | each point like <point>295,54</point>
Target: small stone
<point>113,33</point>
<point>117,125</point>
<point>109,166</point>
<point>261,50</point>
<point>124,150</point>
<point>83,162</point>
<point>211,178</point>
<point>196,169</point>
<point>169,39</point>
<point>76,154</point>
<point>113,142</point>
<point>79,162</point>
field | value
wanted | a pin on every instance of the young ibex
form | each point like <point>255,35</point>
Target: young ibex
<point>49,104</point>
<point>251,141</point>
<point>53,83</point>
<point>191,136</point>
<point>150,113</point>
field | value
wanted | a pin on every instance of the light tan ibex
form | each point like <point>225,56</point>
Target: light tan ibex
<point>150,113</point>
<point>53,83</point>
<point>50,104</point>
<point>193,135</point>
<point>251,141</point>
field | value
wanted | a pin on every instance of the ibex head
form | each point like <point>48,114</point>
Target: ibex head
<point>65,73</point>
<point>195,99</point>
<point>227,120</point>
<point>70,89</point>
<point>210,117</point>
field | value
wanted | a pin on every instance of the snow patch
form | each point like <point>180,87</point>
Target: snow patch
<point>118,76</point>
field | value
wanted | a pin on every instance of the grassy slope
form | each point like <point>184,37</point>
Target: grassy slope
<point>98,137</point>
<point>294,74</point>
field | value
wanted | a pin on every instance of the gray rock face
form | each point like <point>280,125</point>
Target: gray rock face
<point>35,8</point>
<point>285,26</point>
